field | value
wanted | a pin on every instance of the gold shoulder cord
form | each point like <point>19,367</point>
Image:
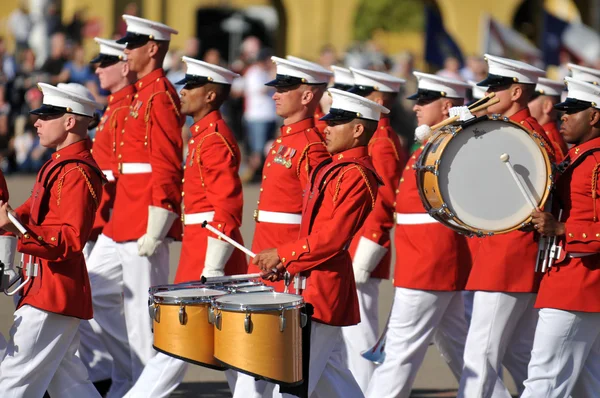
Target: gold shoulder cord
<point>391,143</point>
<point>362,172</point>
<point>595,171</point>
<point>87,181</point>
<point>303,155</point>
<point>198,161</point>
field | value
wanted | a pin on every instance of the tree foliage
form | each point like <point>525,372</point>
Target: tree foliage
<point>389,15</point>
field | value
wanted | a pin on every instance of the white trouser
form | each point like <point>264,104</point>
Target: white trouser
<point>161,376</point>
<point>501,332</point>
<point>41,356</point>
<point>468,300</point>
<point>92,350</point>
<point>328,375</point>
<point>419,317</point>
<point>565,359</point>
<point>361,337</point>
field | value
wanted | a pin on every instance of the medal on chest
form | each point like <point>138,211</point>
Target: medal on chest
<point>135,108</point>
<point>284,156</point>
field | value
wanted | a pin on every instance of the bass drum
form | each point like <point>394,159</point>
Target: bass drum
<point>465,185</point>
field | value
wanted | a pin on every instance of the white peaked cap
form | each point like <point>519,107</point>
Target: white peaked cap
<point>111,48</point>
<point>212,72</point>
<point>308,63</point>
<point>360,106</point>
<point>518,71</point>
<point>580,91</point>
<point>78,89</point>
<point>68,98</point>
<point>379,81</point>
<point>303,72</point>
<point>342,75</point>
<point>549,87</point>
<point>449,88</point>
<point>155,30</point>
<point>478,91</point>
<point>584,73</point>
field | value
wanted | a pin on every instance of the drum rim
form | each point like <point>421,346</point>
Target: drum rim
<point>452,132</point>
<point>241,307</point>
<point>176,300</point>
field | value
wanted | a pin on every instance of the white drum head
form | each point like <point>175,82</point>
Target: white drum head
<point>187,295</point>
<point>259,301</point>
<point>478,187</point>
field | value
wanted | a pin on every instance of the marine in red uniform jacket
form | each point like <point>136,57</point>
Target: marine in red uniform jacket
<point>106,149</point>
<point>150,141</point>
<point>389,158</point>
<point>319,124</point>
<point>59,216</point>
<point>573,283</point>
<point>288,165</point>
<point>211,184</point>
<point>506,263</point>
<point>558,143</point>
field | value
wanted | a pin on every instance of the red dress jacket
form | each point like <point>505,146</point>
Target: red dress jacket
<point>558,143</point>
<point>301,148</point>
<point>211,183</point>
<point>389,158</point>
<point>59,216</point>
<point>338,199</point>
<point>320,124</point>
<point>573,284</point>
<point>4,197</point>
<point>429,256</point>
<point>152,135</point>
<point>106,149</point>
<point>506,263</point>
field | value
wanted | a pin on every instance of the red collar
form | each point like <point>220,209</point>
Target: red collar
<point>356,152</point>
<point>319,112</point>
<point>207,121</point>
<point>520,115</point>
<point>384,121</point>
<point>149,78</point>
<point>579,150</point>
<point>302,125</point>
<point>73,149</point>
<point>122,93</point>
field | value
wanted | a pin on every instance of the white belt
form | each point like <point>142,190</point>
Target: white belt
<point>275,217</point>
<point>578,255</point>
<point>109,175</point>
<point>414,218</point>
<point>135,168</point>
<point>198,218</point>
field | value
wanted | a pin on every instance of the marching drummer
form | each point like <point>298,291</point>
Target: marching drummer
<point>58,219</point>
<point>541,106</point>
<point>503,274</point>
<point>432,265</point>
<point>370,248</point>
<point>290,160</point>
<point>147,202</point>
<point>213,193</point>
<point>342,193</point>
<point>566,351</point>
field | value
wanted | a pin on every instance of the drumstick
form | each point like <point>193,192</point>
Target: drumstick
<point>16,223</point>
<point>553,246</point>
<point>482,100</point>
<point>505,157</point>
<point>454,119</point>
<point>227,239</point>
<point>216,279</point>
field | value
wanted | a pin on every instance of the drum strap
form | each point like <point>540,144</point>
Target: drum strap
<point>301,390</point>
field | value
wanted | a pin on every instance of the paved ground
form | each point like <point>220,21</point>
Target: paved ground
<point>434,378</point>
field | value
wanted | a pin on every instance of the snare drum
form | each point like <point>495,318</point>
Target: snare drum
<point>261,334</point>
<point>182,320</point>
<point>242,287</point>
<point>464,184</point>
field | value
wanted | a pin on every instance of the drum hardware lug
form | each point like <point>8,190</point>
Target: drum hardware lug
<point>248,323</point>
<point>303,319</point>
<point>151,311</point>
<point>490,234</point>
<point>211,315</point>
<point>432,169</point>
<point>218,321</point>
<point>506,119</point>
<point>182,315</point>
<point>480,234</point>
<point>281,322</point>
<point>156,316</point>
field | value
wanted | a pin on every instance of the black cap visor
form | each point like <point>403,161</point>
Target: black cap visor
<point>289,81</point>
<point>496,81</point>
<point>572,105</point>
<point>133,40</point>
<point>48,110</point>
<point>363,91</point>
<point>105,60</point>
<point>424,94</point>
<point>196,81</point>
<point>344,87</point>
<point>341,115</point>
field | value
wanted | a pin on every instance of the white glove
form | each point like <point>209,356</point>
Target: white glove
<point>8,248</point>
<point>462,112</point>
<point>217,255</point>
<point>423,133</point>
<point>159,223</point>
<point>366,258</point>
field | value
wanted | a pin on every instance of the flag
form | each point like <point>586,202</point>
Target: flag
<point>503,41</point>
<point>439,45</point>
<point>552,41</point>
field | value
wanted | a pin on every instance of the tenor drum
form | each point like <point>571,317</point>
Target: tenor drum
<point>260,334</point>
<point>464,184</point>
<point>182,320</point>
